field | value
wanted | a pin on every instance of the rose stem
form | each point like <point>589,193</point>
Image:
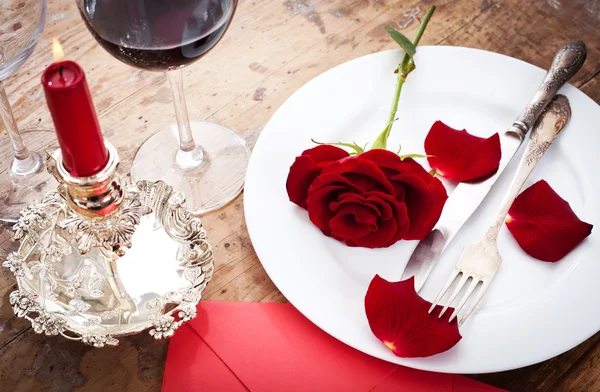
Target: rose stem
<point>405,68</point>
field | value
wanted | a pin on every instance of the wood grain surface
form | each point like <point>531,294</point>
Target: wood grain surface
<point>272,48</point>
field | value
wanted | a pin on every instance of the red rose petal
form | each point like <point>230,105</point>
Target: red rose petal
<point>302,173</point>
<point>380,238</point>
<point>353,219</point>
<point>356,167</point>
<point>543,223</point>
<point>423,194</point>
<point>363,211</point>
<point>326,153</point>
<point>325,179</point>
<point>318,205</point>
<point>460,156</point>
<point>322,194</point>
<point>360,181</point>
<point>346,226</point>
<point>391,228</point>
<point>383,202</point>
<point>306,168</point>
<point>401,320</point>
<point>424,197</point>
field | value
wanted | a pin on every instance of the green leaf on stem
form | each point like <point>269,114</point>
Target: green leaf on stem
<point>401,40</point>
<point>409,68</point>
<point>381,141</point>
<point>357,149</point>
<point>402,157</point>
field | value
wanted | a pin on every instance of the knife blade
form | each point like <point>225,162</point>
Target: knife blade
<point>467,197</point>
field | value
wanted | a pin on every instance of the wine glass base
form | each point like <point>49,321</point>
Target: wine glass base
<point>18,191</point>
<point>216,178</point>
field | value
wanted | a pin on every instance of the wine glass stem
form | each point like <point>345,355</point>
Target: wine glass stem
<point>186,140</point>
<point>20,151</point>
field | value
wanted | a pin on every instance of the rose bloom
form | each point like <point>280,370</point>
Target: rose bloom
<point>371,200</point>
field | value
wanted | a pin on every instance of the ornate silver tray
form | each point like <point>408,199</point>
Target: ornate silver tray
<point>73,281</point>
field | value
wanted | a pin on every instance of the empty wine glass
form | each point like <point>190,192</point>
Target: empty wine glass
<point>205,161</point>
<point>26,180</point>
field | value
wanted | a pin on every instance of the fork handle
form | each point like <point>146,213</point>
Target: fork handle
<point>546,129</point>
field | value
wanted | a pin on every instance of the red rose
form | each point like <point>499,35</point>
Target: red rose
<point>372,200</point>
<point>306,168</point>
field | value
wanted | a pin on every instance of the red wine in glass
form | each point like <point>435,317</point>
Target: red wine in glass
<point>157,35</point>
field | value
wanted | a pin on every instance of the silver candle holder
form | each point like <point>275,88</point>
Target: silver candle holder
<point>100,258</point>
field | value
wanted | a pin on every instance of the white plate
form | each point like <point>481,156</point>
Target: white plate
<point>534,310</point>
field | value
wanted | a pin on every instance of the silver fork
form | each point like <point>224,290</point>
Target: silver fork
<point>479,261</point>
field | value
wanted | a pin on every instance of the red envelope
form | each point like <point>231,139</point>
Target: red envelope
<point>270,347</point>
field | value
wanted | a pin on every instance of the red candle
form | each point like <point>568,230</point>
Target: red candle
<point>75,121</point>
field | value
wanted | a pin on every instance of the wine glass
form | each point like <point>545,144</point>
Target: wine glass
<point>205,161</point>
<point>26,180</point>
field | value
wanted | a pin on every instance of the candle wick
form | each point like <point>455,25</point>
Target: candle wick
<point>60,70</point>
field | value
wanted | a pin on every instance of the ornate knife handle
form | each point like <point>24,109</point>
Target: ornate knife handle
<point>567,61</point>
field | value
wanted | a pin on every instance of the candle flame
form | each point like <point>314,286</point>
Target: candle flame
<point>57,51</point>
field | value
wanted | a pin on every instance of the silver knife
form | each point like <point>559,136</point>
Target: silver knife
<point>466,197</point>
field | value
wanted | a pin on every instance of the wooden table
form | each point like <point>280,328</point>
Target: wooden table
<point>272,48</point>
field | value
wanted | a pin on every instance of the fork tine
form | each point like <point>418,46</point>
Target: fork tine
<point>453,275</point>
<point>482,290</point>
<point>459,286</point>
<point>464,299</point>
